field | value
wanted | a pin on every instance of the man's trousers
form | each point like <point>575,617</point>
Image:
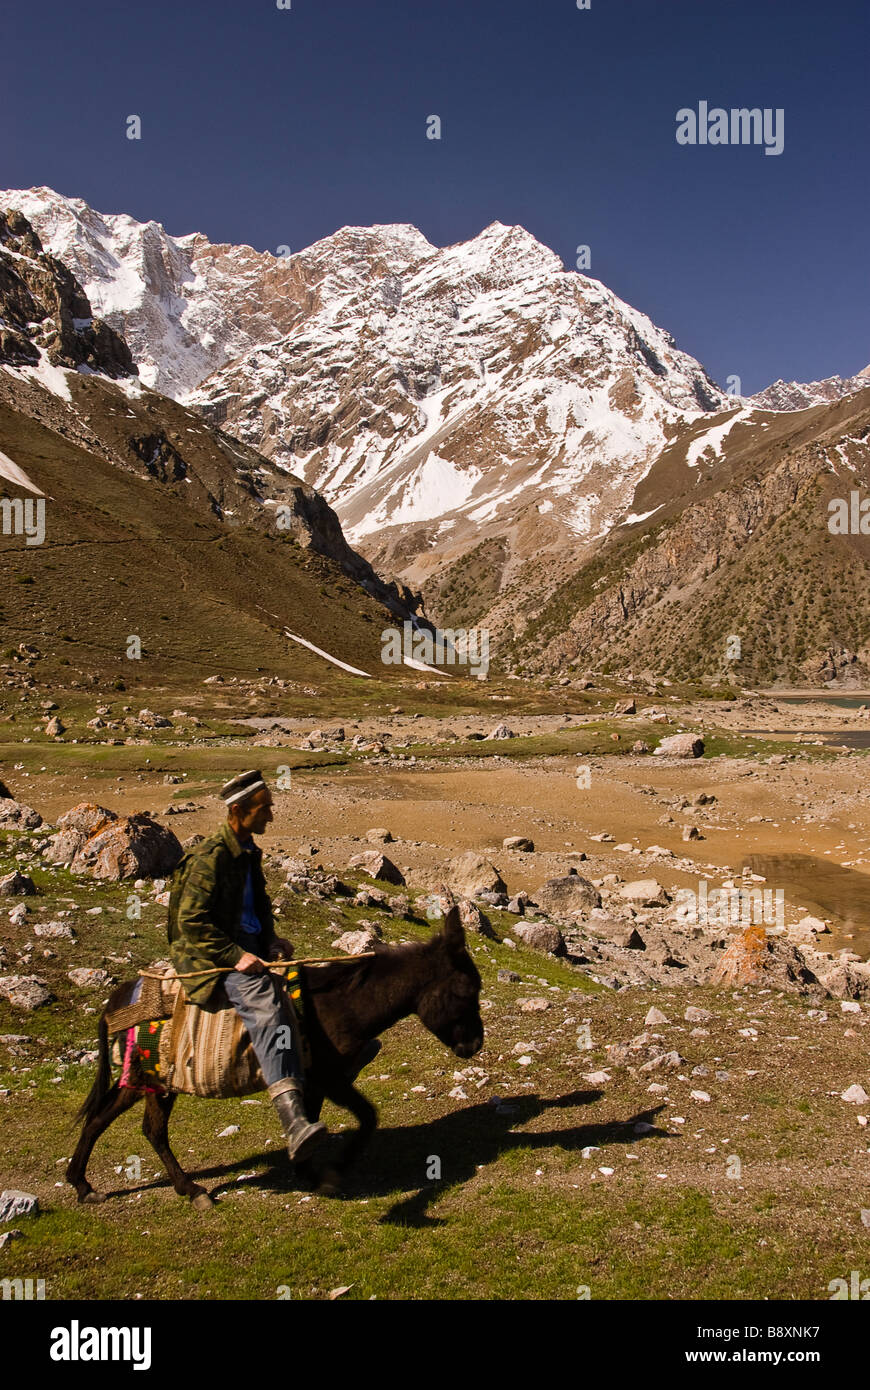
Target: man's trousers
<point>257,1000</point>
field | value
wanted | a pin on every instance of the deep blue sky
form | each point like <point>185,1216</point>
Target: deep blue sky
<point>273,127</point>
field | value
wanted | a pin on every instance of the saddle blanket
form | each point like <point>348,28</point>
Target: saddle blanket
<point>201,1052</point>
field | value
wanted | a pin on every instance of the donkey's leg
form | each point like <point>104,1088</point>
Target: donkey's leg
<point>114,1103</point>
<point>342,1092</point>
<point>155,1127</point>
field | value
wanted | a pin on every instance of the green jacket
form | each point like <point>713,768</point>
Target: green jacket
<point>205,910</point>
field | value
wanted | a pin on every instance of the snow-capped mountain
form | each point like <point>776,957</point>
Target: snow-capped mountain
<point>447,393</point>
<point>410,384</point>
<point>508,436</point>
<point>187,306</point>
<point>795,395</point>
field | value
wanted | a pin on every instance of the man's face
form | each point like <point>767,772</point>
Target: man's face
<point>254,815</point>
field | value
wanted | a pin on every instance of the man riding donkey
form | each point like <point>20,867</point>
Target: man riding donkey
<point>220,916</point>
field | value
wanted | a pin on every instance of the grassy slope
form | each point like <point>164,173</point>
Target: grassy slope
<point>737,546</point>
<point>515,1186</point>
<point>125,554</point>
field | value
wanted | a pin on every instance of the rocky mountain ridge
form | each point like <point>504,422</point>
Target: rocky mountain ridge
<point>122,466</point>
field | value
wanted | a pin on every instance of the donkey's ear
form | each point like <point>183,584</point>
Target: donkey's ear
<point>453,932</point>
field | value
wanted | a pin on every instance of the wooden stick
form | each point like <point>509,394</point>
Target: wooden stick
<point>276,964</point>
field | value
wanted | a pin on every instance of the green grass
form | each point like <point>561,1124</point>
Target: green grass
<point>518,1212</point>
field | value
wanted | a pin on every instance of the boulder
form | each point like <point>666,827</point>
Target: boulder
<point>640,746</point>
<point>502,731</point>
<point>54,728</point>
<point>85,817</point>
<point>680,746</point>
<point>63,847</point>
<point>540,936</point>
<point>88,977</point>
<point>520,842</point>
<point>618,933</point>
<point>354,943</point>
<point>846,980</point>
<point>135,847</point>
<point>644,892</point>
<point>26,992</point>
<point>14,1204</point>
<point>813,925</point>
<point>754,957</point>
<point>471,874</point>
<point>625,707</point>
<point>567,897</point>
<point>379,836</point>
<point>695,1014</point>
<point>150,720</point>
<point>474,920</point>
<point>378,866</point>
<point>14,815</point>
<point>655,1018</point>
<point>16,885</point>
<point>370,897</point>
<point>57,930</point>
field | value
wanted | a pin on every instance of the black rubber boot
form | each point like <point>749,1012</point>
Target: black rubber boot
<point>302,1136</point>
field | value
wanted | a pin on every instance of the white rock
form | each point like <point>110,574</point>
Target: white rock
<point>655,1016</point>
<point>855,1095</point>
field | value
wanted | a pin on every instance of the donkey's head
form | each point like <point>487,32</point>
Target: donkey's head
<point>449,1004</point>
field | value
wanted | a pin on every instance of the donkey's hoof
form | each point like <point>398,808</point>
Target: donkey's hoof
<point>92,1198</point>
<point>202,1202</point>
<point>329,1183</point>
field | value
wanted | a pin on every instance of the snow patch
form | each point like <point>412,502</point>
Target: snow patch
<point>712,438</point>
<point>13,474</point>
<point>320,652</point>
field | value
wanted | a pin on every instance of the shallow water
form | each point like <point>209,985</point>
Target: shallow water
<point>825,890</point>
<point>841,701</point>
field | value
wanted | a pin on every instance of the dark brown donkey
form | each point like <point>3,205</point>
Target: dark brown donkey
<point>348,1004</point>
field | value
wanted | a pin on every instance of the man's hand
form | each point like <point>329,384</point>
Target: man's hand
<point>250,964</point>
<point>281,949</point>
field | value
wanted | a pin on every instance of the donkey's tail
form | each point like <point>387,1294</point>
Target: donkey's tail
<point>103,1079</point>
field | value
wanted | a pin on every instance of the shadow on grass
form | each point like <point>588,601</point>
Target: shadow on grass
<point>463,1142</point>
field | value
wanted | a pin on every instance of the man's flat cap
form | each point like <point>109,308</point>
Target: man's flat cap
<point>242,786</point>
